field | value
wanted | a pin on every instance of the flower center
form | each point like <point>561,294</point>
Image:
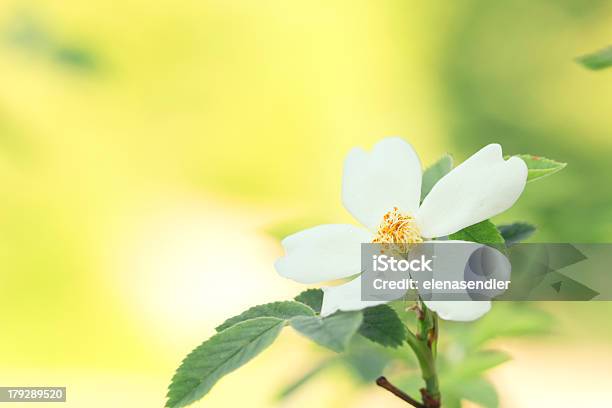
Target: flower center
<point>398,228</point>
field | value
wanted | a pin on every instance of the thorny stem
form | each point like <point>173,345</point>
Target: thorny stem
<point>424,344</point>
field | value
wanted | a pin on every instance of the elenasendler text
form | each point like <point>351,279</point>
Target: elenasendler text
<point>384,263</point>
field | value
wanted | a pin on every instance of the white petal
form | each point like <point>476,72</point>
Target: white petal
<point>345,297</point>
<point>479,188</point>
<point>322,253</point>
<point>465,261</point>
<point>460,311</point>
<point>373,183</point>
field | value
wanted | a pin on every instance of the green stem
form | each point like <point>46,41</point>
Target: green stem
<point>424,345</point>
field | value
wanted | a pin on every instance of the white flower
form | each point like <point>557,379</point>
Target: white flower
<point>382,189</point>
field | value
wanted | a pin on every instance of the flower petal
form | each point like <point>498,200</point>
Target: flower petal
<point>322,253</point>
<point>345,297</point>
<point>479,188</point>
<point>373,183</point>
<point>457,261</point>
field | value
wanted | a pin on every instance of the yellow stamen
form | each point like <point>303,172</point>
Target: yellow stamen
<point>398,228</point>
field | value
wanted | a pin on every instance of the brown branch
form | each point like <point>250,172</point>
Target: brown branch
<point>384,383</point>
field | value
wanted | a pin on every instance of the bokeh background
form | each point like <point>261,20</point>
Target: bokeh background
<point>149,149</point>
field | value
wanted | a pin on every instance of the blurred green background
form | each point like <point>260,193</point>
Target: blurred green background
<point>143,143</point>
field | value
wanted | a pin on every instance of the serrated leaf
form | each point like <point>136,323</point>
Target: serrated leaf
<point>538,166</point>
<point>597,60</point>
<point>282,310</point>
<point>435,172</point>
<point>382,325</point>
<point>333,332</point>
<point>221,354</point>
<point>484,232</point>
<point>516,232</point>
<point>312,298</point>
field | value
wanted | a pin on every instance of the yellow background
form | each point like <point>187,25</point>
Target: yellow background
<point>147,146</point>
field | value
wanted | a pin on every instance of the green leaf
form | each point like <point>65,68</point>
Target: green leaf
<point>281,310</point>
<point>333,332</point>
<point>538,167</point>
<point>484,233</point>
<point>366,367</point>
<point>435,172</point>
<point>221,354</point>
<point>367,360</point>
<point>382,325</point>
<point>516,232</point>
<point>312,298</point>
<point>597,60</point>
